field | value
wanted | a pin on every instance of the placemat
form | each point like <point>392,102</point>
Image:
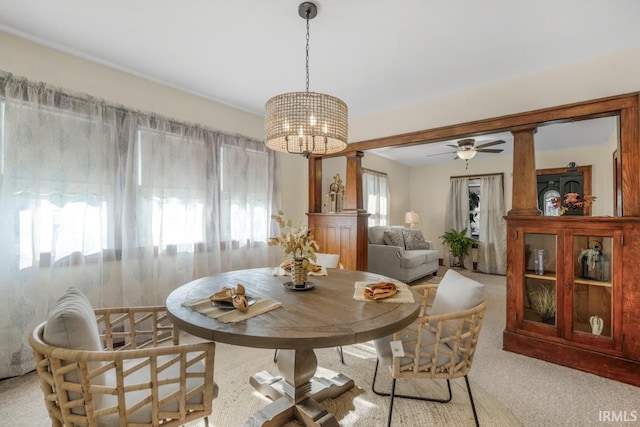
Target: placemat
<point>204,306</point>
<point>403,295</point>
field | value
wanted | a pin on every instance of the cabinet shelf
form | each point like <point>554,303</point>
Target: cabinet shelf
<point>530,274</point>
<point>590,282</point>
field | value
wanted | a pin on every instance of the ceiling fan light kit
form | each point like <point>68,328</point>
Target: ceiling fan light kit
<point>466,149</point>
<point>306,123</point>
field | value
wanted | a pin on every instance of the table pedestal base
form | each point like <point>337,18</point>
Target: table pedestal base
<point>296,393</point>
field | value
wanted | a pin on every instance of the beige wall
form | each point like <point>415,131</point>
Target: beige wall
<point>605,76</point>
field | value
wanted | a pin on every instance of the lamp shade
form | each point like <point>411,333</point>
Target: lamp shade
<point>412,218</point>
<point>466,154</point>
<point>306,123</point>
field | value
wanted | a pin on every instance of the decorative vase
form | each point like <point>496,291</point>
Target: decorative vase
<point>299,272</point>
<point>539,261</point>
<point>596,325</point>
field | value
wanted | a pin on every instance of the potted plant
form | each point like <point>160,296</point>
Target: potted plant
<point>459,244</point>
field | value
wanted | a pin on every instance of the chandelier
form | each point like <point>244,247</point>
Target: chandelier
<point>306,123</point>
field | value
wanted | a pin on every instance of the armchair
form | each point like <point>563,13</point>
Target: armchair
<point>441,343</point>
<point>139,376</point>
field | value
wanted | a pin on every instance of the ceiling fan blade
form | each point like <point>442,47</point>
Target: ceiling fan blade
<point>453,146</point>
<point>489,150</point>
<point>489,144</point>
<point>440,154</point>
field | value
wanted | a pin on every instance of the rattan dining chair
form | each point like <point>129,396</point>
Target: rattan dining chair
<point>436,346</point>
<point>141,375</point>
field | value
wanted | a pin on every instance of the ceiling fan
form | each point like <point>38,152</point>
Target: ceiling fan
<point>466,148</point>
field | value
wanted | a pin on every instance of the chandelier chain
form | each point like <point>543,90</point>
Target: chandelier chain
<point>307,51</point>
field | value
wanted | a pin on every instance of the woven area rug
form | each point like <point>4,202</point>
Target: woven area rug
<point>237,400</point>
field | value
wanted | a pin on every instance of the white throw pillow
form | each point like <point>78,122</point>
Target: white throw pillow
<point>456,293</point>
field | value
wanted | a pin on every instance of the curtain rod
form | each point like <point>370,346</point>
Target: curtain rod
<point>84,97</point>
<point>374,171</point>
<point>478,176</point>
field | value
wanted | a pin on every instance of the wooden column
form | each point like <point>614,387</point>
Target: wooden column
<point>353,184</point>
<point>525,194</point>
<point>630,159</point>
<point>315,184</point>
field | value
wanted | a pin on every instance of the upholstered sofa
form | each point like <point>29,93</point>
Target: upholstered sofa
<point>401,253</point>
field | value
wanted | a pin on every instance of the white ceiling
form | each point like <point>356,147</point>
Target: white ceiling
<point>376,55</point>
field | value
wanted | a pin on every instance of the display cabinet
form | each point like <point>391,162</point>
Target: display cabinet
<point>572,296</point>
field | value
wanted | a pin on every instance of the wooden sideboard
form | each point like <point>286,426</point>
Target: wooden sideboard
<point>337,233</point>
<point>585,291</point>
<point>345,232</point>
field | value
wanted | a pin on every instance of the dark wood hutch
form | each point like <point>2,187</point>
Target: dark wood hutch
<point>612,297</point>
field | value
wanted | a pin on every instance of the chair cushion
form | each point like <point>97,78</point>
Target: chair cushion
<point>385,356</point>
<point>393,238</point>
<point>327,260</point>
<point>71,323</point>
<point>456,293</point>
<point>143,376</point>
<point>413,239</point>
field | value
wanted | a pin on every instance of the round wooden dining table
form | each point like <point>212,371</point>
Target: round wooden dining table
<point>325,314</point>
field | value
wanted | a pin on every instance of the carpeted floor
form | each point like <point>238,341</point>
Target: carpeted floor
<point>237,400</point>
<point>509,389</point>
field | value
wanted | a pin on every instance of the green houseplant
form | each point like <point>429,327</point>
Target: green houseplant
<point>459,244</point>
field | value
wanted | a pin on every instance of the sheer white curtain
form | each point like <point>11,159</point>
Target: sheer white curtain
<point>124,205</point>
<point>492,249</point>
<point>376,197</point>
<point>457,212</point>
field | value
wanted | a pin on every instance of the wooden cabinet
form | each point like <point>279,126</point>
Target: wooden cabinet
<point>338,234</point>
<point>572,296</point>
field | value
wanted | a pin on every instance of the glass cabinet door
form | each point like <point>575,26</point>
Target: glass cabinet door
<point>540,282</point>
<point>592,285</point>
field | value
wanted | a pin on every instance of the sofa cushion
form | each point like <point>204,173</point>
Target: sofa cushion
<point>71,323</point>
<point>456,293</point>
<point>413,239</point>
<point>412,259</point>
<point>393,238</point>
<point>375,234</point>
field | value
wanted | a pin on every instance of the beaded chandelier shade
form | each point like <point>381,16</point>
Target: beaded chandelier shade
<point>306,122</point>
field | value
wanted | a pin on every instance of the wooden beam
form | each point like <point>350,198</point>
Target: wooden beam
<point>576,111</point>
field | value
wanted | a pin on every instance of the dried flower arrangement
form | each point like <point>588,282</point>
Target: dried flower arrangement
<point>572,201</point>
<point>543,302</point>
<point>295,241</point>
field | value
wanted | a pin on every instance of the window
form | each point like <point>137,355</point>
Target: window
<point>244,190</point>
<point>376,196</point>
<point>124,205</point>
<point>60,231</point>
